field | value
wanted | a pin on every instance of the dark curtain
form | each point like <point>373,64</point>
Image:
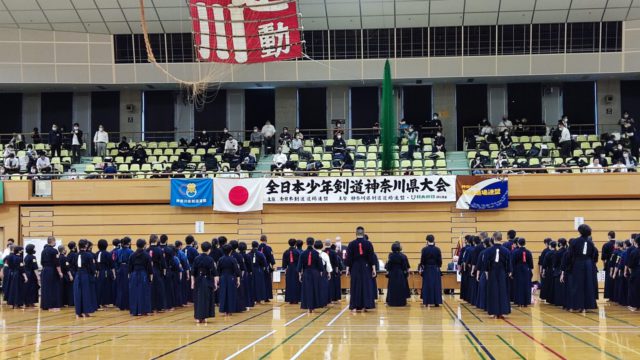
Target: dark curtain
<point>579,104</point>
<point>259,107</point>
<point>525,101</point>
<point>213,116</point>
<point>416,104</point>
<point>630,98</point>
<point>365,109</point>
<point>159,115</point>
<point>471,107</point>
<point>11,119</point>
<point>312,108</point>
<point>105,111</point>
<point>56,108</point>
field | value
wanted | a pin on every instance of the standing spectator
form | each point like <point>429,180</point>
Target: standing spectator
<point>504,125</point>
<point>17,141</point>
<point>625,119</point>
<point>268,133</point>
<point>35,136</point>
<point>403,128</point>
<point>432,126</point>
<point>43,164</point>
<point>565,139</point>
<point>285,137</point>
<point>412,138</point>
<point>55,140</point>
<point>256,138</point>
<point>76,142</point>
<point>100,140</point>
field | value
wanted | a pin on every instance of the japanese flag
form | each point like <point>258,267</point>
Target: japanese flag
<point>238,195</point>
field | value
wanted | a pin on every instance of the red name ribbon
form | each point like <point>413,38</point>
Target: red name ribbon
<point>524,257</point>
<point>246,31</point>
<point>360,248</point>
<point>290,257</point>
<point>309,261</point>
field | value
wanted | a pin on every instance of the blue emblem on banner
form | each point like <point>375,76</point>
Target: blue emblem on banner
<point>191,192</point>
<point>487,194</point>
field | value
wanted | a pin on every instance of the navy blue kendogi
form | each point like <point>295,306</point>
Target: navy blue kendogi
<point>430,264</point>
<point>522,265</point>
<point>581,262</point>
<point>335,285</point>
<point>158,293</point>
<point>241,299</point>
<point>292,278</point>
<point>122,274</point>
<point>204,284</point>
<point>258,269</point>
<point>271,261</point>
<point>104,280</point>
<point>140,278</point>
<point>50,277</point>
<point>361,264</point>
<point>83,286</point>
<point>229,273</point>
<point>246,277</point>
<point>397,272</point>
<point>498,267</point>
<point>17,279</point>
<point>30,268</point>
<point>310,267</point>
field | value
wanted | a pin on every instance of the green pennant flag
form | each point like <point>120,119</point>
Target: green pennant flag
<point>1,192</point>
<point>388,124</point>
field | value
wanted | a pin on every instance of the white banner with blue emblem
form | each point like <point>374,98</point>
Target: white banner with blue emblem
<point>191,192</point>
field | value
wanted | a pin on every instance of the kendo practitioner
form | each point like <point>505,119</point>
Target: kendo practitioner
<point>67,277</point>
<point>481,301</point>
<point>310,268</point>
<point>267,251</point>
<point>546,290</point>
<point>581,287</point>
<point>290,259</point>
<point>106,274</point>
<point>50,277</point>
<point>246,276</point>
<point>169,278</point>
<point>31,286</point>
<point>258,269</point>
<point>335,287</point>
<point>475,255</point>
<point>185,281</point>
<point>511,240</point>
<point>173,278</point>
<point>216,245</point>
<point>606,253</point>
<point>192,253</point>
<point>559,288</point>
<point>498,269</point>
<point>565,277</point>
<point>623,285</point>
<point>84,290</point>
<point>462,268</point>
<point>522,265</point>
<point>430,265</point>
<point>204,282</point>
<point>360,263</point>
<point>615,261</point>
<point>325,275</point>
<point>229,273</point>
<point>8,251</point>
<point>241,303</point>
<point>122,274</point>
<point>140,270</point>
<point>117,245</point>
<point>17,278</point>
<point>159,265</point>
<point>633,272</point>
<point>544,252</point>
<point>397,272</point>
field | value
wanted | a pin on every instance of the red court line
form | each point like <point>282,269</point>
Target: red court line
<point>74,333</point>
<point>534,339</point>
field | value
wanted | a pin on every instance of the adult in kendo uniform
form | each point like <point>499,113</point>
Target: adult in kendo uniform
<point>581,256</point>
<point>50,277</point>
<point>292,279</point>
<point>360,263</point>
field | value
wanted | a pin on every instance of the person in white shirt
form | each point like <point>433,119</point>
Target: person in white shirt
<point>486,130</point>
<point>328,269</point>
<point>100,140</point>
<point>279,161</point>
<point>565,140</point>
<point>594,167</point>
<point>618,167</point>
<point>504,125</point>
<point>268,133</point>
<point>76,143</point>
<point>43,164</point>
<point>230,146</point>
<point>8,151</point>
<point>11,164</point>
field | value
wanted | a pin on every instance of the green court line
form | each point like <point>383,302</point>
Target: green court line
<point>472,313</point>
<point>474,347</point>
<point>572,336</point>
<point>292,335</point>
<point>511,347</point>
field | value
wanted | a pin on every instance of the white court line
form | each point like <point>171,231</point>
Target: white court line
<point>337,316</point>
<point>250,345</point>
<point>292,321</point>
<point>297,355</point>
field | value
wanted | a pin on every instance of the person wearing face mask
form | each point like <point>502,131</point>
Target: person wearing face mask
<point>439,142</point>
<point>412,140</point>
<point>139,155</point>
<point>230,147</point>
<point>268,133</point>
<point>433,125</point>
<point>76,143</point>
<point>285,137</point>
<point>505,140</point>
<point>12,164</point>
<point>279,161</point>
<point>256,138</point>
<point>55,140</point>
<point>124,149</point>
<point>100,140</point>
<point>223,137</point>
<point>339,145</point>
<point>504,125</point>
<point>203,140</point>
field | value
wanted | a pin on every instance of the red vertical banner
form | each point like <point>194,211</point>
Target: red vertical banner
<point>245,31</point>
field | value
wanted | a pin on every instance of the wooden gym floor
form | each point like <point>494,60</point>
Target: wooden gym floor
<point>278,331</point>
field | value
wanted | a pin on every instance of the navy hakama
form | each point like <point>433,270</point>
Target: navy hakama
<point>397,272</point>
<point>50,281</point>
<point>430,263</point>
<point>204,271</point>
<point>581,287</point>
<point>258,265</point>
<point>83,286</point>
<point>361,262</point>
<point>227,293</point>
<point>140,270</point>
<point>310,265</point>
<point>522,265</point>
<point>498,266</point>
<point>292,279</point>
<point>122,278</point>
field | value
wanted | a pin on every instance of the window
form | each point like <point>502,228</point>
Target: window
<point>123,49</point>
<point>180,48</point>
<point>611,36</point>
<point>446,41</point>
<point>345,44</point>
<point>317,44</point>
<point>479,40</point>
<point>378,43</point>
<point>513,39</point>
<point>583,37</point>
<point>411,42</point>
<point>548,38</point>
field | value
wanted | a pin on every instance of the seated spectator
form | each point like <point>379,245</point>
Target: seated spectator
<point>3,174</point>
<point>33,173</point>
<point>344,161</point>
<point>408,171</point>
<point>210,162</point>
<point>8,150</point>
<point>339,145</point>
<point>139,155</point>
<point>185,156</point>
<point>285,137</point>
<point>618,167</point>
<point>477,165</point>
<point>109,167</point>
<point>628,161</point>
<point>504,125</point>
<point>11,164</point>
<point>296,144</point>
<point>155,174</point>
<point>486,129</point>
<point>43,164</point>
<point>412,140</point>
<point>439,142</point>
<point>72,174</point>
<point>594,167</point>
<point>179,165</point>
<point>124,149</point>
<point>256,138</point>
<point>17,141</point>
<point>268,135</point>
<point>249,162</point>
<point>36,138</point>
<point>203,140</point>
<point>279,161</point>
<point>230,146</point>
<point>178,174</point>
<point>26,161</point>
<point>602,159</point>
<point>505,140</point>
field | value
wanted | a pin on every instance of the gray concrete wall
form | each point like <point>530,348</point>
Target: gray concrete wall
<point>235,112</point>
<point>609,113</point>
<point>444,103</point>
<point>131,122</point>
<point>286,108</point>
<point>31,109</point>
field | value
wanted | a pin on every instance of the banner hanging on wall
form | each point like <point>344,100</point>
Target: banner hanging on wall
<point>191,192</point>
<point>482,193</point>
<point>378,189</point>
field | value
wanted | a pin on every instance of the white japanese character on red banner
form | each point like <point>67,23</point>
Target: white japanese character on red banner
<point>274,41</point>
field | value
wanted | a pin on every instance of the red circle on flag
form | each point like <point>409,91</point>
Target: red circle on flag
<point>238,195</point>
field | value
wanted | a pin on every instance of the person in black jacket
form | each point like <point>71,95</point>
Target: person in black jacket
<point>76,143</point>
<point>55,140</point>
